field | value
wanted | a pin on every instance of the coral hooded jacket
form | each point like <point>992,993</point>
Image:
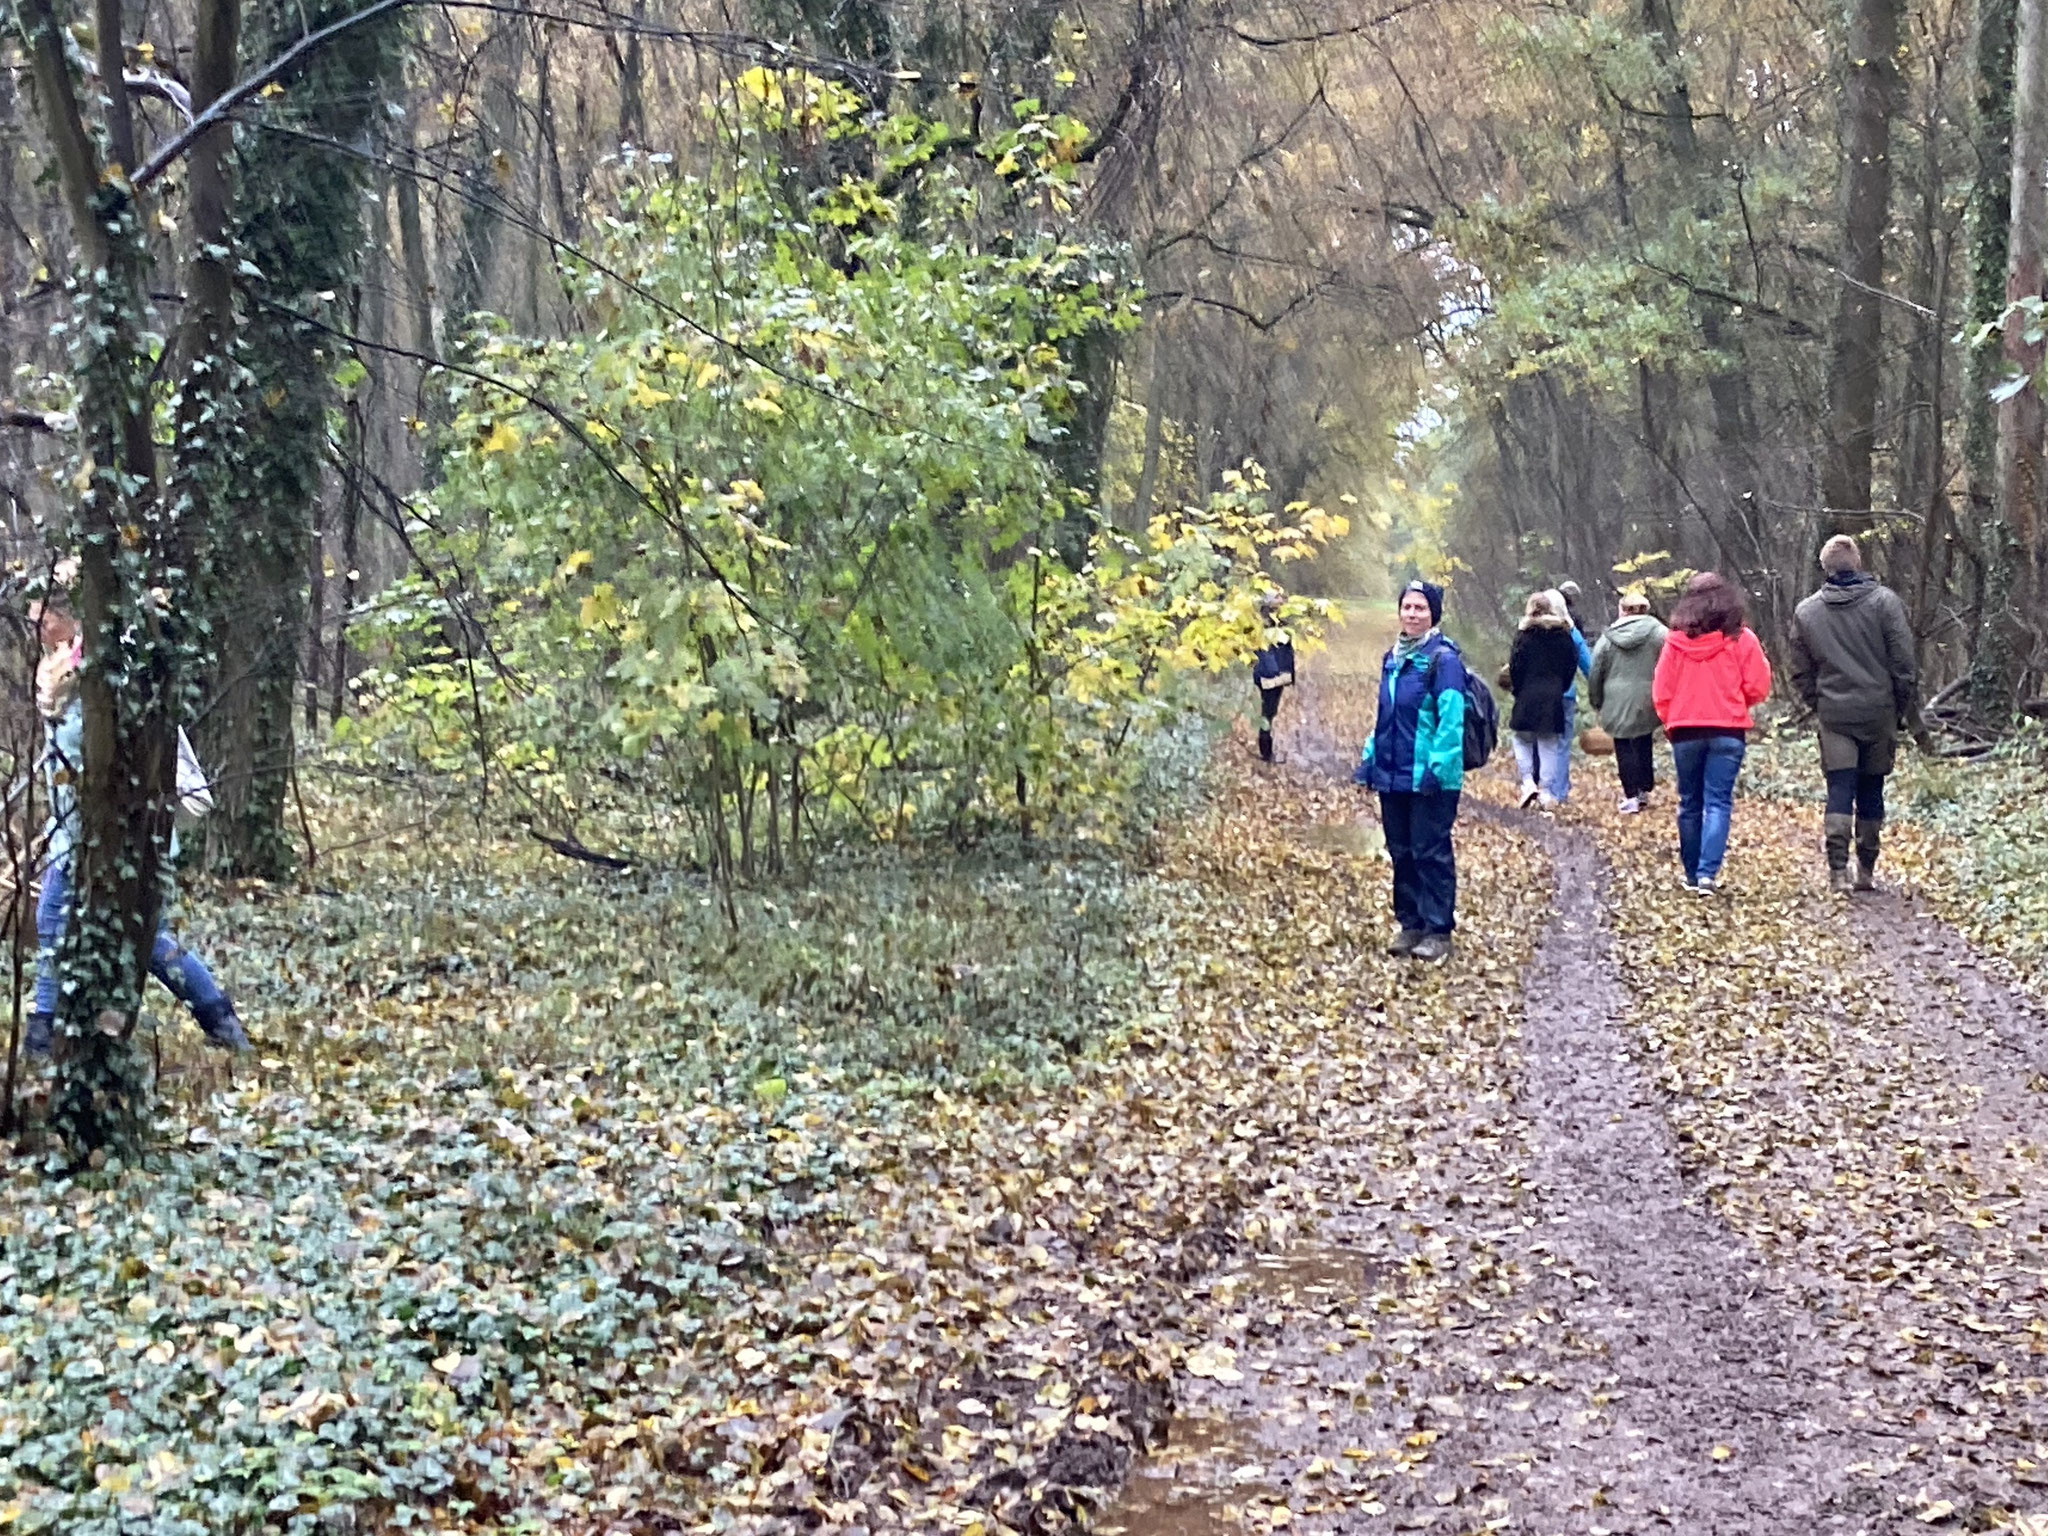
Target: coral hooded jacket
<point>1711,682</point>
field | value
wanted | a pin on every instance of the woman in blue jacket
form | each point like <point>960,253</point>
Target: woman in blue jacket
<point>1415,760</point>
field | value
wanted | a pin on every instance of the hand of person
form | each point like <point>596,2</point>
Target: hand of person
<point>1923,738</point>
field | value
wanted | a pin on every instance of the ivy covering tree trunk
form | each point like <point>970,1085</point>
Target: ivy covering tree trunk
<point>132,545</point>
<point>299,229</point>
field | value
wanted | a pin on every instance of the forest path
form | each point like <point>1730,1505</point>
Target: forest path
<point>1762,1244</point>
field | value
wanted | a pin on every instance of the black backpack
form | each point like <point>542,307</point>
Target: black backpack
<point>1482,717</point>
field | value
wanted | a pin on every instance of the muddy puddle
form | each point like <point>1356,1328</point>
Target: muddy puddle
<point>1200,1483</point>
<point>1221,1469</point>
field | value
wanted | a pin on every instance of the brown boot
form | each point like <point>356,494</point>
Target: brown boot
<point>1867,839</point>
<point>1835,830</point>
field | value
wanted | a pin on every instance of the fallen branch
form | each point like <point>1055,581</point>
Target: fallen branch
<point>570,848</point>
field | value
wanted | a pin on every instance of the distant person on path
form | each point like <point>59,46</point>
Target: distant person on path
<point>1415,761</point>
<point>1272,671</point>
<point>64,724</point>
<point>1852,662</point>
<point>1712,673</point>
<point>1624,668</point>
<point>1559,783</point>
<point>1542,666</point>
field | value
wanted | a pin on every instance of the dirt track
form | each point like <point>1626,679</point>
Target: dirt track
<point>1585,1309</point>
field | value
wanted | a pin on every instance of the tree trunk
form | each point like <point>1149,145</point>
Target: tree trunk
<point>127,540</point>
<point>1992,688</point>
<point>2020,418</point>
<point>1155,433</point>
<point>1857,355</point>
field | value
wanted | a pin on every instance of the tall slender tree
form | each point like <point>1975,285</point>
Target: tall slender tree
<point>1855,373</point>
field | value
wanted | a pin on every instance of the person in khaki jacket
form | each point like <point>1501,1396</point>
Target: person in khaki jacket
<point>1624,670</point>
<point>1852,661</point>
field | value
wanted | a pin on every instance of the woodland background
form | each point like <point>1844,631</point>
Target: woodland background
<point>1531,290</point>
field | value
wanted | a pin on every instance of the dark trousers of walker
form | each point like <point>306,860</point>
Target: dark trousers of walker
<point>1418,831</point>
<point>1269,708</point>
<point>1636,761</point>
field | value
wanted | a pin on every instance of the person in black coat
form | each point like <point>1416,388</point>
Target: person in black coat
<point>1273,672</point>
<point>1541,669</point>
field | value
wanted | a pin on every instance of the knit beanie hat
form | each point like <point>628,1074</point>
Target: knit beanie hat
<point>1431,594</point>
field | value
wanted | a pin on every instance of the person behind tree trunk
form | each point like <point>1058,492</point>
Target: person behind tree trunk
<point>1852,663</point>
<point>1712,673</point>
<point>1415,760</point>
<point>1272,671</point>
<point>1542,666</point>
<point>175,966</point>
<point>1618,688</point>
<point>1558,785</point>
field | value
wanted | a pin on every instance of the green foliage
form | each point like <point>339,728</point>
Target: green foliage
<point>793,573</point>
<point>545,1135</point>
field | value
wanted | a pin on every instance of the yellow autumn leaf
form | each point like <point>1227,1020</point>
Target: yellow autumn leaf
<point>643,395</point>
<point>503,438</point>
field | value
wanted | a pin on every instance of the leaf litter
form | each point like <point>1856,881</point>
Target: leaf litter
<point>514,1245</point>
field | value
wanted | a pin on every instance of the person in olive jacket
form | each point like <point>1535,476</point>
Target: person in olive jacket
<point>1624,667</point>
<point>1852,661</point>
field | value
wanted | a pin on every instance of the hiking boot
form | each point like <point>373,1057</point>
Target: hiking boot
<point>224,1030</point>
<point>1839,881</point>
<point>41,1026</point>
<point>1265,746</point>
<point>1432,947</point>
<point>1868,837</point>
<point>1835,829</point>
<point>1405,941</point>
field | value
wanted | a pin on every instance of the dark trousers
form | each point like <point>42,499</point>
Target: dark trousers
<point>1418,829</point>
<point>1636,763</point>
<point>1269,707</point>
<point>1850,790</point>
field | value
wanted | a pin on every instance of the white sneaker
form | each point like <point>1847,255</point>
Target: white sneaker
<point>1529,794</point>
<point>1545,800</point>
<point>1630,805</point>
<point>1705,885</point>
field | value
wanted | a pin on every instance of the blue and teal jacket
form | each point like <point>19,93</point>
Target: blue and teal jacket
<point>1571,692</point>
<point>1418,740</point>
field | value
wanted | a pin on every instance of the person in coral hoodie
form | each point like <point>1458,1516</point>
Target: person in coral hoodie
<point>1712,674</point>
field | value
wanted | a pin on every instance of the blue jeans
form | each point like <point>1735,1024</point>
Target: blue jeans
<point>191,983</point>
<point>1418,829</point>
<point>1557,766</point>
<point>1707,767</point>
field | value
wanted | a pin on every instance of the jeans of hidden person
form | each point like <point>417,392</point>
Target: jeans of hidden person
<point>170,962</point>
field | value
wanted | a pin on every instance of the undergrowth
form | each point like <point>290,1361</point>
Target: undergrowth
<point>524,1134</point>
